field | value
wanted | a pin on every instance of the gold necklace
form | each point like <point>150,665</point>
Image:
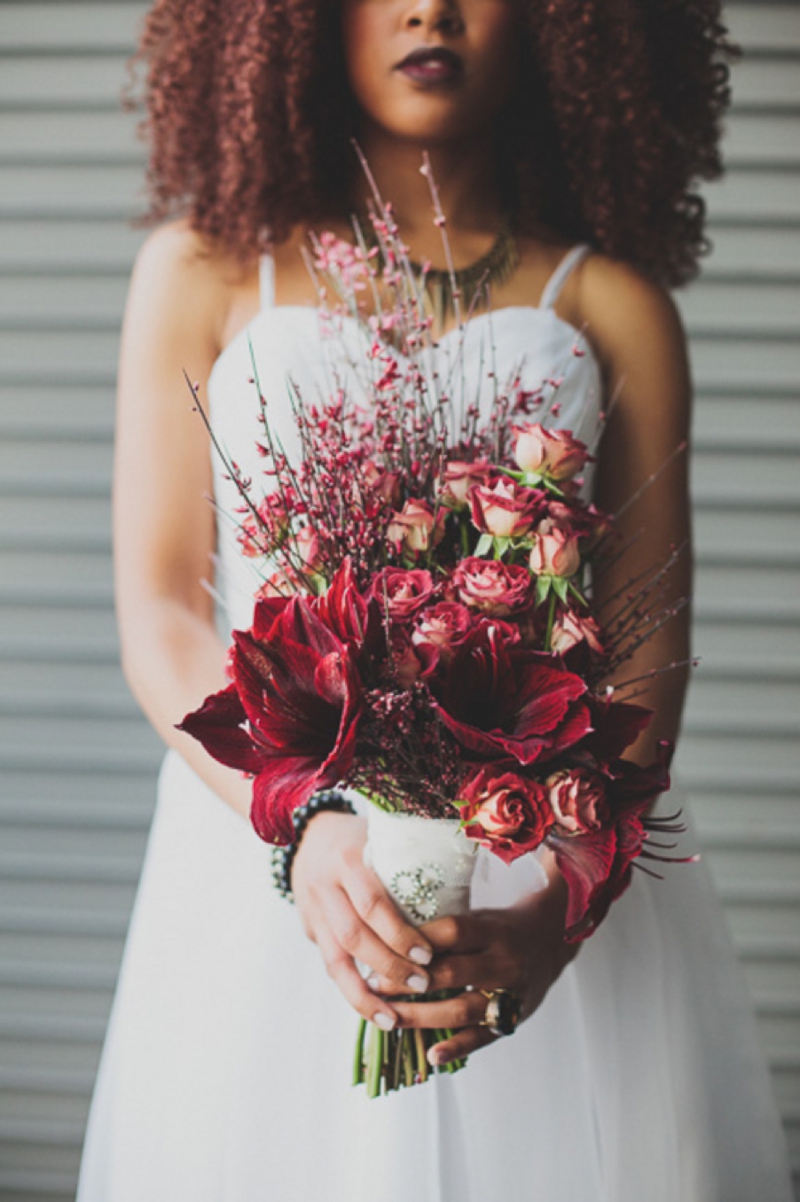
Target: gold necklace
<point>497,265</point>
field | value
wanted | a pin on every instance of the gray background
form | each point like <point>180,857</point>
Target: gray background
<point>77,762</point>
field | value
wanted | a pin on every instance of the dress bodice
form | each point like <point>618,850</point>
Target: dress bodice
<point>284,348</point>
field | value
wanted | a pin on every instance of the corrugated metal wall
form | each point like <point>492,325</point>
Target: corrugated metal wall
<point>77,763</point>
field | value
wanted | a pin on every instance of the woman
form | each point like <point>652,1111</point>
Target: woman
<point>636,1073</point>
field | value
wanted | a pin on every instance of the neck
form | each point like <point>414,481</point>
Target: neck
<point>465,174</point>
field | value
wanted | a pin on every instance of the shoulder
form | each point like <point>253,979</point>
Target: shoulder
<point>628,313</point>
<point>179,270</point>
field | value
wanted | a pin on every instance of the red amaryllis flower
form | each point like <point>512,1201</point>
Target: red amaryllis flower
<point>597,865</point>
<point>502,700</point>
<point>508,813</point>
<point>290,717</point>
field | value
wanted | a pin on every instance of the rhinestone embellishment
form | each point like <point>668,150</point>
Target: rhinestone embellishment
<point>416,889</point>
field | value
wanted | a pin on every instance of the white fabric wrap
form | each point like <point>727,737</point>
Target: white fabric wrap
<point>426,864</point>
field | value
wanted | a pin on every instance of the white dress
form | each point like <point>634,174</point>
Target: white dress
<point>225,1073</point>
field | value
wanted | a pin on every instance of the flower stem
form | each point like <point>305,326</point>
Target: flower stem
<point>551,617</point>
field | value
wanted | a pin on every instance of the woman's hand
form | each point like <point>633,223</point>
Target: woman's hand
<point>520,948</point>
<point>347,912</point>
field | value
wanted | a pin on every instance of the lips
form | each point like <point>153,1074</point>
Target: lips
<point>432,65</point>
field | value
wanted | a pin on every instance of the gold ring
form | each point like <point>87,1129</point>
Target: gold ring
<point>502,1011</point>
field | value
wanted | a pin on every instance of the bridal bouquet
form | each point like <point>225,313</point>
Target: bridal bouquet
<point>424,631</point>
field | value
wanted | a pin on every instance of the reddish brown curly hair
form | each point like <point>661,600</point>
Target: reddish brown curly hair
<point>618,113</point>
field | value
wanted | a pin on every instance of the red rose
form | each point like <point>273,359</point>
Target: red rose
<point>551,453</point>
<point>437,632</point>
<point>507,813</point>
<point>402,592</point>
<point>504,509</point>
<point>490,586</point>
<point>555,550</point>
<point>459,478</point>
<point>415,529</point>
<point>578,798</point>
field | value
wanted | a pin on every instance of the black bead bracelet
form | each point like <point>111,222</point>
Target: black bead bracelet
<point>283,857</point>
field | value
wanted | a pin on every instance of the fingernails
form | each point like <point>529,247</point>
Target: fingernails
<point>417,982</point>
<point>386,1022</point>
<point>373,981</point>
<point>420,955</point>
<point>436,1058</point>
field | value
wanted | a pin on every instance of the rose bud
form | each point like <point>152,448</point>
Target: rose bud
<point>578,799</point>
<point>458,479</point>
<point>570,628</point>
<point>507,813</point>
<point>415,528</point>
<point>555,550</point>
<point>407,666</point>
<point>401,592</point>
<point>382,484</point>
<point>552,453</point>
<point>308,549</point>
<point>504,509</point>
<point>437,632</point>
<point>494,588</point>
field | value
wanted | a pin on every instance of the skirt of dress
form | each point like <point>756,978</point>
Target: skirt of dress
<point>225,1075</point>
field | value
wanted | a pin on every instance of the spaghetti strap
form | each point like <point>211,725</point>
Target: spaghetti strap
<point>266,281</point>
<point>556,281</point>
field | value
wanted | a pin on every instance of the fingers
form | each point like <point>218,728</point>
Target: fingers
<point>478,971</point>
<point>380,915</point>
<point>343,972</point>
<point>461,1044</point>
<point>464,1010</point>
<point>356,937</point>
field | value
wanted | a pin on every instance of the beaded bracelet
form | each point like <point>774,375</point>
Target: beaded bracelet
<point>283,857</point>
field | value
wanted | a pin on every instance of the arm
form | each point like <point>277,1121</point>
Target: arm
<point>164,536</point>
<point>163,520</point>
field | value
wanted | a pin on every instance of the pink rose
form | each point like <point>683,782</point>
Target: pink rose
<point>569,629</point>
<point>415,528</point>
<point>490,586</point>
<point>552,453</point>
<point>578,800</point>
<point>555,550</point>
<point>459,477</point>
<point>438,630</point>
<point>401,592</point>
<point>504,509</point>
<point>507,813</point>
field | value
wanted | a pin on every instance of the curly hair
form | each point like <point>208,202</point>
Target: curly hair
<point>617,114</point>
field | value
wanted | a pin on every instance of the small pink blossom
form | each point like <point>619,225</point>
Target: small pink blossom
<point>578,800</point>
<point>552,453</point>
<point>555,550</point>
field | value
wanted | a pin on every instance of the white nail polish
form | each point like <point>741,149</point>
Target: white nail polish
<point>417,982</point>
<point>385,1021</point>
<point>420,955</point>
<point>373,981</point>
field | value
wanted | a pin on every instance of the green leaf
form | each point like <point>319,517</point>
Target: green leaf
<point>561,585</point>
<point>485,543</point>
<point>542,588</point>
